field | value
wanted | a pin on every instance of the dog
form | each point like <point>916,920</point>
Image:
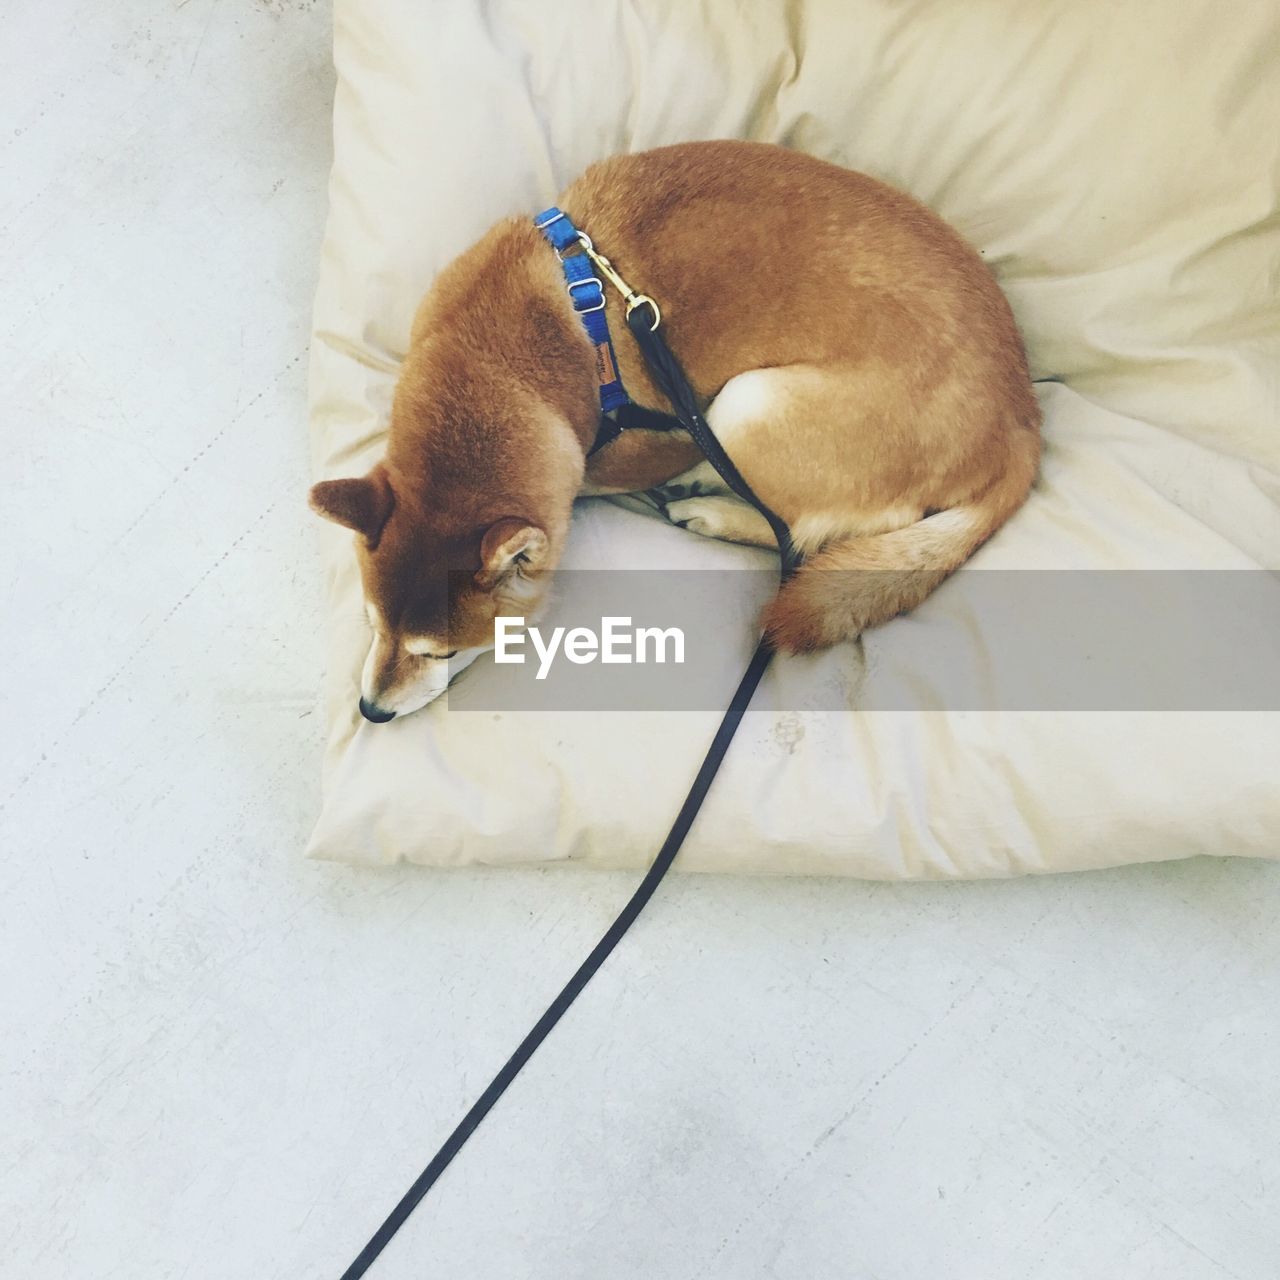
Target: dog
<point>853,354</point>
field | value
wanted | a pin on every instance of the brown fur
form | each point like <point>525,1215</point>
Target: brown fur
<point>886,381</point>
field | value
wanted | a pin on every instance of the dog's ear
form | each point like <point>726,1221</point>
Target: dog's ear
<point>362,504</point>
<point>509,546</point>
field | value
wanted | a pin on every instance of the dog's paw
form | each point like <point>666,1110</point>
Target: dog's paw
<point>677,490</point>
<point>699,515</point>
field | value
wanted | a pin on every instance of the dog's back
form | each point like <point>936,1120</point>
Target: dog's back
<point>863,367</point>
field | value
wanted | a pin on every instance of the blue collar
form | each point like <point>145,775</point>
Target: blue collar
<point>586,292</point>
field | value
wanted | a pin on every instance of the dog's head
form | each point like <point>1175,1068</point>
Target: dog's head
<point>431,593</point>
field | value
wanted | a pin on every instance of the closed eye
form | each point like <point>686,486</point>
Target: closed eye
<point>422,649</point>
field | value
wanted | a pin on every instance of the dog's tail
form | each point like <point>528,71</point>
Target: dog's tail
<point>858,582</point>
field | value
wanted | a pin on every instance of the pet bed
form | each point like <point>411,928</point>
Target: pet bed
<point>1117,166</point>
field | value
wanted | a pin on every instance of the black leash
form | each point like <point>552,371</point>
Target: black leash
<point>668,374</point>
<point>670,377</point>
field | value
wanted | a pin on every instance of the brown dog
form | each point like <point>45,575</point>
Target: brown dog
<point>861,366</point>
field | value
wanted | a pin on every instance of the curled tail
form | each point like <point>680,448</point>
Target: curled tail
<point>858,582</point>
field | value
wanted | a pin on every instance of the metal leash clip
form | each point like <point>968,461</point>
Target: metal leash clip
<point>610,272</point>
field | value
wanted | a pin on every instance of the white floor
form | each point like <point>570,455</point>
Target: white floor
<point>222,1061</point>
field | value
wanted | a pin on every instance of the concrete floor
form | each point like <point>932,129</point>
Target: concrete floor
<point>222,1061</point>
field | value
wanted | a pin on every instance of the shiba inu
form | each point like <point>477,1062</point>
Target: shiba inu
<point>853,354</point>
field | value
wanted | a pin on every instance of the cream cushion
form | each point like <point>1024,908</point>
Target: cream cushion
<point>1117,165</point>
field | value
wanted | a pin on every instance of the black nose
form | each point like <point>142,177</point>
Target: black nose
<point>375,715</point>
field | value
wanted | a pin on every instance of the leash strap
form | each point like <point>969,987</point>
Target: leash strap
<point>670,377</point>
<point>585,972</point>
<point>668,374</point>
<point>586,292</point>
